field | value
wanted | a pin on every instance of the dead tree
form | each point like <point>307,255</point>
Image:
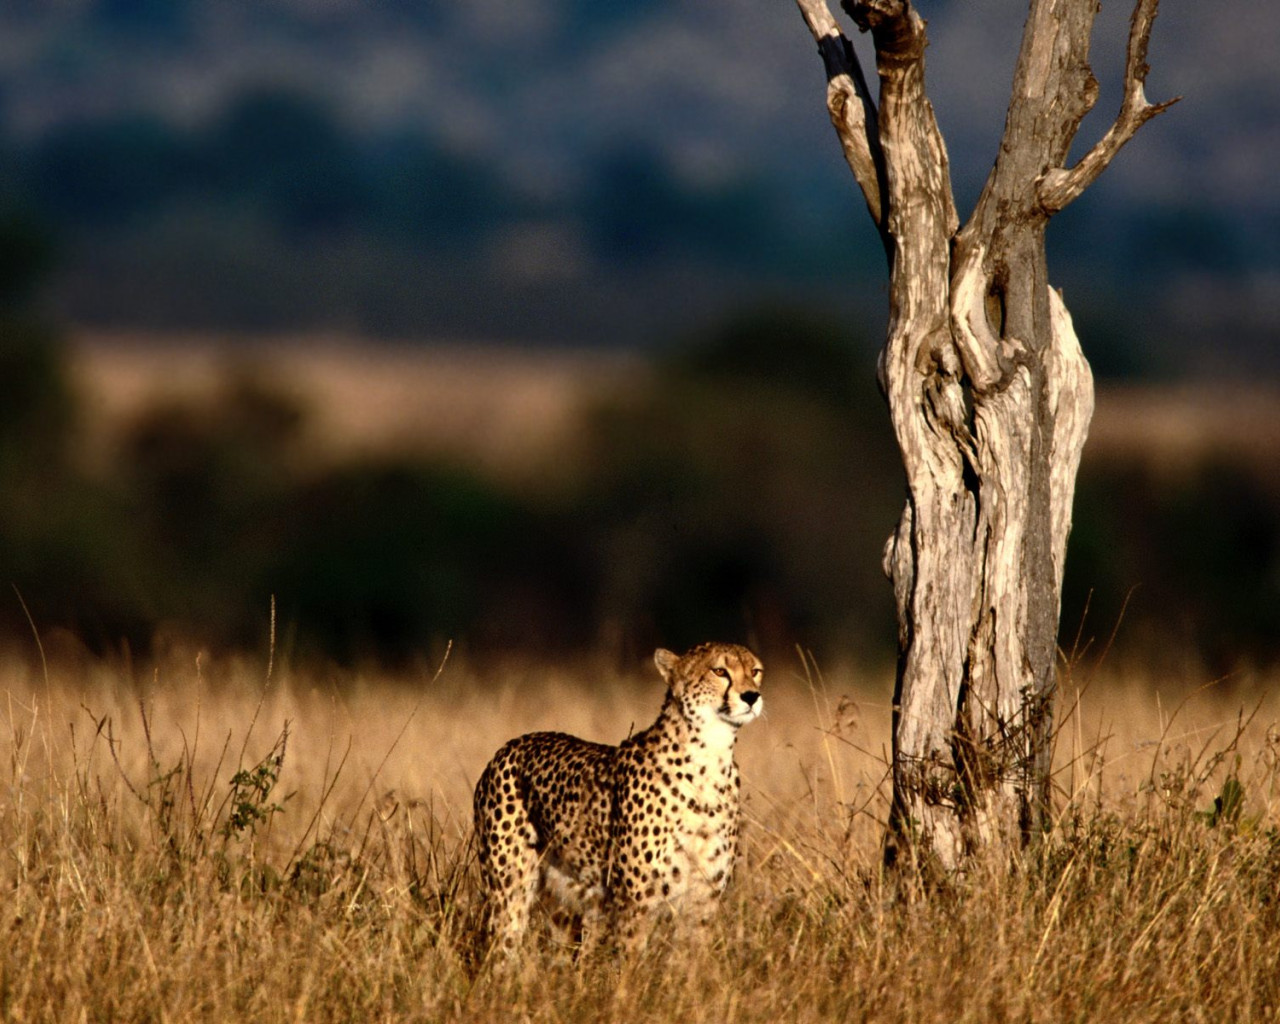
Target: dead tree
<point>990,397</point>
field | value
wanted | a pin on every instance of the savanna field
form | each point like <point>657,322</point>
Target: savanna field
<point>221,839</point>
<point>191,834</point>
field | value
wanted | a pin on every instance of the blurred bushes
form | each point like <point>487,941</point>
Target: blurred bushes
<point>1195,554</point>
<point>202,483</point>
<point>743,489</point>
<point>715,500</point>
<point>389,559</point>
<point>748,491</point>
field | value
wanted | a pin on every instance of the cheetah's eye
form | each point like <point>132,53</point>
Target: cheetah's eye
<point>755,672</point>
<point>721,671</point>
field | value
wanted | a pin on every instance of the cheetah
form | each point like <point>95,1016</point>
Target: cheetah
<point>608,835</point>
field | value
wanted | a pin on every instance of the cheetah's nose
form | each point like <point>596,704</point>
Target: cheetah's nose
<point>749,697</point>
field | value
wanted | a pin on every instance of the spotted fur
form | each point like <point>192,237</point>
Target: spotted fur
<point>608,835</point>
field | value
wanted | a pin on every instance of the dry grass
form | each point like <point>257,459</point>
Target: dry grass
<point>502,409</point>
<point>1175,427</point>
<point>212,845</point>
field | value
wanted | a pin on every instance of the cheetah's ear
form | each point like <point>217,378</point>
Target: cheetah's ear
<point>666,662</point>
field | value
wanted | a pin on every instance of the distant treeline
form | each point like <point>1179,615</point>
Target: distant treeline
<point>275,212</point>
<point>745,492</point>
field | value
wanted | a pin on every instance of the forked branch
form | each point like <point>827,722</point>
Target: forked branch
<point>849,104</point>
<point>1060,186</point>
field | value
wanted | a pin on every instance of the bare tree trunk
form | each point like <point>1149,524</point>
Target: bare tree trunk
<point>990,397</point>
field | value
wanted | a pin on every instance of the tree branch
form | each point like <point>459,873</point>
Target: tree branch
<point>1059,186</point>
<point>849,104</point>
<point>913,152</point>
<point>896,28</point>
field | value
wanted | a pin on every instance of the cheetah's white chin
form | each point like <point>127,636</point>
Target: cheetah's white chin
<point>744,715</point>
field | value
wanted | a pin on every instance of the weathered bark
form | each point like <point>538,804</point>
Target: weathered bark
<point>990,397</point>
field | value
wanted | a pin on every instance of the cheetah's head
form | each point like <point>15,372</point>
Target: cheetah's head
<point>714,680</point>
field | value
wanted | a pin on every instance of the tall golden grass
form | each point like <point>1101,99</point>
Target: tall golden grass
<point>217,842</point>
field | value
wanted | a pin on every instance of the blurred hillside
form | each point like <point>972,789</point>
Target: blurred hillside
<point>391,499</point>
<point>589,173</point>
<point>671,428</point>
